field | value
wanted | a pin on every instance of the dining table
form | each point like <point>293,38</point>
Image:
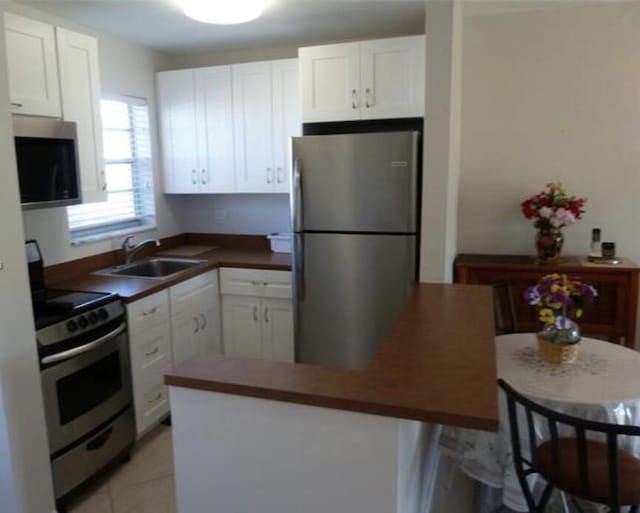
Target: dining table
<point>603,384</point>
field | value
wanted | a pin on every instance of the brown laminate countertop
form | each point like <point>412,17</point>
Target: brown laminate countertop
<point>132,289</point>
<point>436,364</point>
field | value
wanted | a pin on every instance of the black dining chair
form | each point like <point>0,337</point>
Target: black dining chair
<point>504,311</point>
<point>596,471</point>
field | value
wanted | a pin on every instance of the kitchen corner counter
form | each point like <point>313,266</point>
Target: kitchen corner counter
<point>436,364</point>
<point>131,289</point>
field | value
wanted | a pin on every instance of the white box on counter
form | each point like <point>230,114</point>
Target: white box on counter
<point>280,242</point>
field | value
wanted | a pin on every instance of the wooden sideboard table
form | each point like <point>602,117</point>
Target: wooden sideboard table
<point>612,316</point>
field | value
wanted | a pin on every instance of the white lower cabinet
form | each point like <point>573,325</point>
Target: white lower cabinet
<point>257,314</point>
<point>150,354</point>
<point>165,329</point>
<point>195,317</point>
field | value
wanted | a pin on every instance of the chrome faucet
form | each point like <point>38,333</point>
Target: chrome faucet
<point>128,250</point>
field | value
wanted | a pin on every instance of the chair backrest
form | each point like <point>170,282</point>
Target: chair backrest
<point>503,309</point>
<point>578,427</point>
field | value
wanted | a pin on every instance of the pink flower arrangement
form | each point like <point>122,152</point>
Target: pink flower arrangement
<point>553,208</point>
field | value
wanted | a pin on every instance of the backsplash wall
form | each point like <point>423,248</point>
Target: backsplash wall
<point>252,214</point>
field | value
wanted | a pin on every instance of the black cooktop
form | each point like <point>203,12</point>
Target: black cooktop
<point>54,305</point>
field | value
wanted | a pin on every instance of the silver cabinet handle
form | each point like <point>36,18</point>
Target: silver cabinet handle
<point>255,314</point>
<point>150,312</point>
<point>155,399</point>
<point>368,98</point>
<point>266,314</point>
<point>197,324</point>
<point>203,176</point>
<point>151,353</point>
<point>204,321</point>
<point>70,353</point>
<point>104,180</point>
<point>194,177</point>
<point>279,175</point>
<point>16,104</point>
<point>354,99</point>
<point>269,175</point>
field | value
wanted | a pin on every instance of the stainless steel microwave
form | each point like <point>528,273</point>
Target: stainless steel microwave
<point>48,166</point>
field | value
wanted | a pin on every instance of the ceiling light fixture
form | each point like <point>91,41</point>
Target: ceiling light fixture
<point>224,12</point>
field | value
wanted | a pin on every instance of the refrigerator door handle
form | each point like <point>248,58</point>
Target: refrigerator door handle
<point>297,196</point>
<point>299,266</point>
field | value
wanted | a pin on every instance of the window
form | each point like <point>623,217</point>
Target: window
<point>127,156</point>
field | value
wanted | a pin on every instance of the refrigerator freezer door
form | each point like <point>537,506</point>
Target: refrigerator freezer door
<point>355,182</point>
<point>349,289</point>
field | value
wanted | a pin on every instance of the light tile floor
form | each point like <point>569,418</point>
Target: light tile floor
<point>143,485</point>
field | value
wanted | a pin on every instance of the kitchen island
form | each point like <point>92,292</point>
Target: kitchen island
<point>252,435</point>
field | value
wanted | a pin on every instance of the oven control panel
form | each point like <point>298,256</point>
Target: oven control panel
<point>80,324</point>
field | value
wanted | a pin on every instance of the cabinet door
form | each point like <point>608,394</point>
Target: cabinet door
<point>184,333</point>
<point>214,112</point>
<point>330,76</point>
<point>287,118</point>
<point>253,127</point>
<point>209,337</point>
<point>241,326</point>
<point>32,67</point>
<point>176,103</point>
<point>80,86</point>
<point>392,77</point>
<point>277,330</point>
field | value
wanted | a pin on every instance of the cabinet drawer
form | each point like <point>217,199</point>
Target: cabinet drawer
<point>201,290</point>
<point>151,348</point>
<point>148,312</point>
<point>150,407</point>
<point>255,282</point>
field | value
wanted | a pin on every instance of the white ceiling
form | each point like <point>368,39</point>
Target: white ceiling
<point>160,24</point>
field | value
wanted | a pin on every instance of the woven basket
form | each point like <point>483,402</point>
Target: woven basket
<point>557,353</point>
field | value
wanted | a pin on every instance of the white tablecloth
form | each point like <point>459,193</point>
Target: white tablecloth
<point>603,384</point>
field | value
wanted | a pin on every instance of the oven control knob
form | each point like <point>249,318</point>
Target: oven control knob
<point>93,317</point>
<point>82,322</point>
<point>72,326</point>
<point>103,314</point>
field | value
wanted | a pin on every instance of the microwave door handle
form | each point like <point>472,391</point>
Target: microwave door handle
<point>64,355</point>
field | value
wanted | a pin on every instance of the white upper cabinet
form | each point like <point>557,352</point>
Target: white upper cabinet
<point>196,116</point>
<point>80,87</point>
<point>392,78</point>
<point>32,67</point>
<point>368,80</point>
<point>287,121</point>
<point>266,98</point>
<point>176,99</point>
<point>214,115</point>
<point>330,77</point>
<point>227,129</point>
<point>253,121</point>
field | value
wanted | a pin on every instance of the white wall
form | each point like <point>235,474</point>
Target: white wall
<point>251,214</point>
<point>551,95</point>
<point>441,140</point>
<point>230,57</point>
<point>25,478</point>
<point>127,69</point>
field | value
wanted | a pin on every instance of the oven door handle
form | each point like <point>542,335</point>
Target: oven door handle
<point>64,355</point>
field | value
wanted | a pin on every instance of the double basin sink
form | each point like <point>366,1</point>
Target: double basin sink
<point>153,268</point>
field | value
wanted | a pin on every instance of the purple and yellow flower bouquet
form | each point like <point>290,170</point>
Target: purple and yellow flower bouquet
<point>560,301</point>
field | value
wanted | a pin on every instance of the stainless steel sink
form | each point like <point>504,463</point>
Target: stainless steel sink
<point>153,268</point>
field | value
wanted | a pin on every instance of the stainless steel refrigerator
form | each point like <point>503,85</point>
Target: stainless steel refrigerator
<point>354,207</point>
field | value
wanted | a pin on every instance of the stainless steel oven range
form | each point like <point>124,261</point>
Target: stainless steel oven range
<point>86,382</point>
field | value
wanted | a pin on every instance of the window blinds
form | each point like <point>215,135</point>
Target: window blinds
<point>130,201</point>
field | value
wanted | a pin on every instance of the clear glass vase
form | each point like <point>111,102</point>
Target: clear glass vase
<point>549,244</point>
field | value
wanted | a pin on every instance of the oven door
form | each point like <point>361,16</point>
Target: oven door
<point>86,386</point>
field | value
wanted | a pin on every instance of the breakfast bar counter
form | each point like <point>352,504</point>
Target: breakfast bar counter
<point>254,435</point>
